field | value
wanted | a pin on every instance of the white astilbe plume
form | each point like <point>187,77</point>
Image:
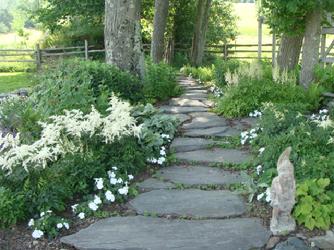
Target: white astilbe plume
<point>62,135</point>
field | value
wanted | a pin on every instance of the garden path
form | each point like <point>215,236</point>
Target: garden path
<point>188,206</point>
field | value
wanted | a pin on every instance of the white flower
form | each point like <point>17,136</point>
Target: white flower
<point>261,150</point>
<point>119,180</point>
<point>114,168</point>
<point>31,223</point>
<point>113,181</point>
<point>42,214</point>
<point>111,174</point>
<point>268,194</point>
<point>260,196</point>
<point>259,169</point>
<point>81,216</point>
<point>66,225</point>
<point>162,152</point>
<point>99,183</point>
<point>97,200</point>
<point>74,207</point>
<point>123,190</point>
<point>93,206</point>
<point>59,225</point>
<point>109,196</point>
<point>161,160</point>
<point>130,176</point>
<point>37,234</point>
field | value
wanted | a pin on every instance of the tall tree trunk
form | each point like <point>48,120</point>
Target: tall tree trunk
<point>122,34</point>
<point>159,26</point>
<point>289,52</point>
<point>310,56</point>
<point>201,25</point>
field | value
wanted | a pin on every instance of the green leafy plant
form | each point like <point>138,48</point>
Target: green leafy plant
<point>315,204</point>
<point>12,207</point>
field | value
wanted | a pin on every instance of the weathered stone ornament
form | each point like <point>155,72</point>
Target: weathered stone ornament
<point>283,190</point>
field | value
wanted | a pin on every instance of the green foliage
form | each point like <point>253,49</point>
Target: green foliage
<point>6,20</point>
<point>222,67</point>
<point>160,82</point>
<point>252,85</point>
<point>11,207</point>
<point>315,204</point>
<point>324,76</point>
<point>285,125</point>
<point>204,74</point>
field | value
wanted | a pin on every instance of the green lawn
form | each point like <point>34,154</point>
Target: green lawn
<point>12,81</point>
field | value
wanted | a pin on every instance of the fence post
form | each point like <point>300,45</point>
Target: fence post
<point>273,55</point>
<point>38,57</point>
<point>86,50</point>
<point>225,51</point>
<point>323,49</point>
<point>259,50</point>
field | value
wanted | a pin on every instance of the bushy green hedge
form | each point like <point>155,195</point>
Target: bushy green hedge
<point>160,82</point>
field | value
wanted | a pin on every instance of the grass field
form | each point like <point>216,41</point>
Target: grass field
<point>12,81</point>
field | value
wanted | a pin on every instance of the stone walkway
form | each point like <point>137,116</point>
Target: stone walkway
<point>177,209</point>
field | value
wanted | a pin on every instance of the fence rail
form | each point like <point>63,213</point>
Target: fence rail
<point>228,51</point>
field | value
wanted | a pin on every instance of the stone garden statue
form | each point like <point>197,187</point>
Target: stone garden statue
<point>283,190</point>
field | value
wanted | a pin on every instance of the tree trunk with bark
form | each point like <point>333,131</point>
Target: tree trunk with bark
<point>289,52</point>
<point>159,26</point>
<point>123,42</point>
<point>201,25</point>
<point>310,56</point>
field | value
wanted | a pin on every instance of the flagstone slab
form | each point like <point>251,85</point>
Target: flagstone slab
<point>195,88</point>
<point>201,175</point>
<point>224,131</point>
<point>182,110</point>
<point>143,233</point>
<point>198,96</point>
<point>184,102</point>
<point>189,202</point>
<point>189,144</point>
<point>215,155</point>
<point>197,91</point>
<point>206,122</point>
<point>182,117</point>
<point>152,183</point>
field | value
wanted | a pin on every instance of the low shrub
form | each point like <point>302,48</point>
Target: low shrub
<point>204,74</point>
<point>160,82</point>
<point>222,67</point>
<point>324,76</point>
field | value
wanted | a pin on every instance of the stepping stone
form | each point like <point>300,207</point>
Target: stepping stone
<point>181,110</point>
<point>212,132</point>
<point>206,122</point>
<point>204,115</point>
<point>196,91</point>
<point>190,144</point>
<point>197,175</point>
<point>208,103</point>
<point>186,103</point>
<point>197,96</point>
<point>195,88</point>
<point>182,117</point>
<point>142,233</point>
<point>152,184</point>
<point>189,202</point>
<point>216,155</point>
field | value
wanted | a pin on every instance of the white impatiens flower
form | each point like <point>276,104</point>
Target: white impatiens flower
<point>99,183</point>
<point>123,190</point>
<point>93,206</point>
<point>59,225</point>
<point>31,223</point>
<point>268,194</point>
<point>119,180</point>
<point>258,169</point>
<point>161,160</point>
<point>260,196</point>
<point>97,200</point>
<point>109,196</point>
<point>162,152</point>
<point>111,174</point>
<point>261,150</point>
<point>42,214</point>
<point>114,168</point>
<point>66,225</point>
<point>113,181</point>
<point>81,216</point>
<point>37,234</point>
<point>74,207</point>
<point>130,176</point>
